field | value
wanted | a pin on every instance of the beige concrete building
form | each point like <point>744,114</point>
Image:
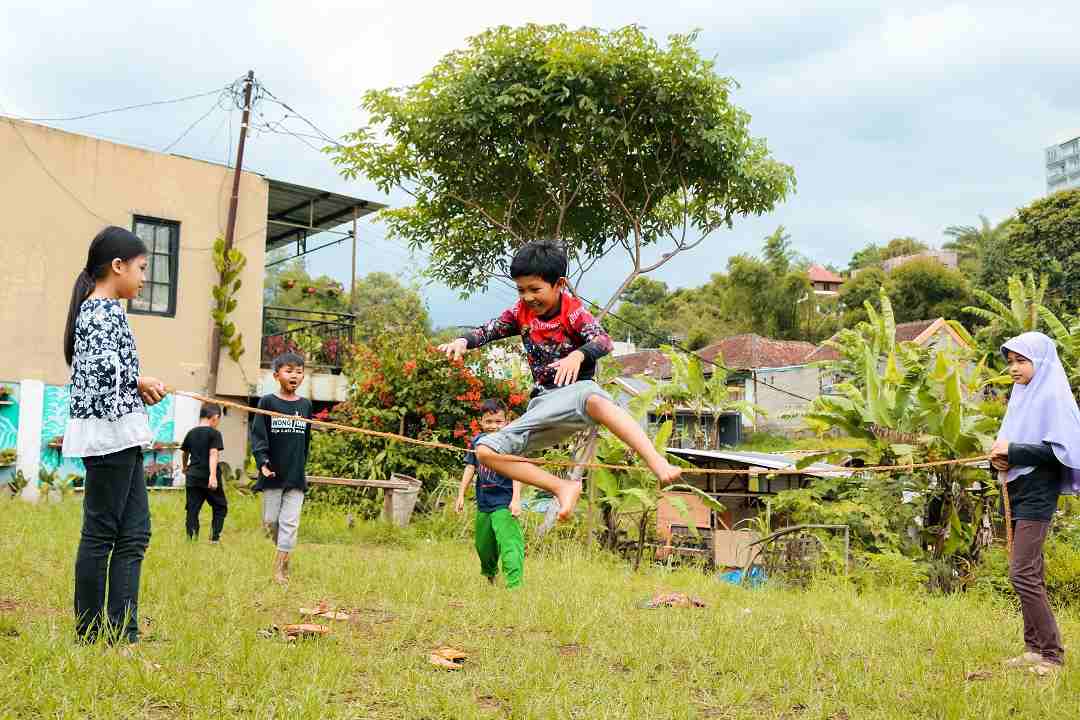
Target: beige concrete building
<point>58,189</point>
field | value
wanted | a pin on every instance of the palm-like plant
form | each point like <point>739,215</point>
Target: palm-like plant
<point>689,388</point>
<point>1021,315</point>
<point>971,243</point>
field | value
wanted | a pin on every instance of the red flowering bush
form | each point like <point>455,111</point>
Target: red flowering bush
<point>404,385</point>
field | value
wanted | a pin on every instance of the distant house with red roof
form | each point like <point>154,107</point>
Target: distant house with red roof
<point>782,377</point>
<point>824,281</point>
<point>772,374</point>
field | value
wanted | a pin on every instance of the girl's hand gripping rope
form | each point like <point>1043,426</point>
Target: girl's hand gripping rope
<point>152,390</point>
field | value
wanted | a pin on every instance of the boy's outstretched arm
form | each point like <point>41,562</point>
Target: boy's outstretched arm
<point>466,478</point>
<point>504,326</point>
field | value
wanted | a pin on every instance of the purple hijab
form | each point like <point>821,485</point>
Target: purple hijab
<point>1044,410</point>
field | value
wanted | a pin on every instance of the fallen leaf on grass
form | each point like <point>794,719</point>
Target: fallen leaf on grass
<point>672,599</point>
<point>322,610</point>
<point>8,605</point>
<point>570,650</point>
<point>305,630</point>
<point>448,658</point>
<point>456,604</point>
<point>978,675</point>
<point>489,703</point>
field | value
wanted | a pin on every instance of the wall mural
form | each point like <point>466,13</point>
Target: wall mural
<point>9,425</point>
<point>54,422</point>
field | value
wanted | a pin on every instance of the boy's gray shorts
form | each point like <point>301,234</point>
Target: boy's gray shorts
<point>551,417</point>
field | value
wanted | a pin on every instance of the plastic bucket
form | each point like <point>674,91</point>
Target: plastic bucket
<point>399,503</point>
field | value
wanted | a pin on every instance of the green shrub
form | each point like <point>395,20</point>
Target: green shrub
<point>875,571</point>
<point>1062,573</point>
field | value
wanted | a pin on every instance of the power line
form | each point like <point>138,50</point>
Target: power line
<point>215,106</point>
<point>313,126</point>
<point>126,107</point>
<point>41,163</point>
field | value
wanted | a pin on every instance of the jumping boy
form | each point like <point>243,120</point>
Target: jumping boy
<point>563,342</point>
<point>199,462</point>
<point>280,446</point>
<point>498,503</point>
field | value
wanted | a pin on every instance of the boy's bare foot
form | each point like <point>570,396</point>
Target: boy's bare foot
<point>667,473</point>
<point>281,564</point>
<point>568,497</point>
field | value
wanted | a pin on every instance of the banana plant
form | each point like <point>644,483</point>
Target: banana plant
<point>913,404</point>
<point>1066,332</point>
<point>689,388</point>
<point>1022,314</point>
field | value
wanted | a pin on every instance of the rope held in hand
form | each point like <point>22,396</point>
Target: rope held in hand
<point>536,461</point>
<point>1004,477</point>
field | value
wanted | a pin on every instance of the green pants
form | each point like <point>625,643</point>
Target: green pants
<point>498,535</point>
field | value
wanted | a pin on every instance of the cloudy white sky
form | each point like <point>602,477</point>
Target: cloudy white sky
<point>899,120</point>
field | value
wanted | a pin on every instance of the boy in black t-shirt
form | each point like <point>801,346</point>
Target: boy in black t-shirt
<point>280,446</point>
<point>201,451</point>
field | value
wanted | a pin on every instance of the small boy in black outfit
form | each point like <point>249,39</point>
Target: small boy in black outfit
<point>201,451</point>
<point>280,446</point>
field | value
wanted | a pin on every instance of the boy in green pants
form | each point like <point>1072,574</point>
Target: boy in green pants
<point>498,503</point>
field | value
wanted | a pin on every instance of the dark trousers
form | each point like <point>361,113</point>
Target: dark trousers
<point>1027,573</point>
<point>219,507</point>
<point>115,534</point>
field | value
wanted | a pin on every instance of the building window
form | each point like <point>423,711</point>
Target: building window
<point>162,238</point>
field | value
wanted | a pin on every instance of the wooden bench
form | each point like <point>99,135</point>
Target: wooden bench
<point>399,497</point>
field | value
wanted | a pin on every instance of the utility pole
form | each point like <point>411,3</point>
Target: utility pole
<point>230,229</point>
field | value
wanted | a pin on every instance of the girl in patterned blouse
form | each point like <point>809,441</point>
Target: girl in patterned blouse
<point>108,429</point>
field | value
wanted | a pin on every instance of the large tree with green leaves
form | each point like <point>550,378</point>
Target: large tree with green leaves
<point>601,140</point>
<point>1044,238</point>
<point>924,289</point>
<point>864,287</point>
<point>874,255</point>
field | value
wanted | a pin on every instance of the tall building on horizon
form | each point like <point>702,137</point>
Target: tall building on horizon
<point>1063,166</point>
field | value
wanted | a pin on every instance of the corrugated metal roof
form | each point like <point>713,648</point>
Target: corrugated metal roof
<point>309,206</point>
<point>770,461</point>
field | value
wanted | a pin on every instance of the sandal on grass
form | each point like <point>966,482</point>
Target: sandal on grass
<point>1045,669</point>
<point>1028,659</point>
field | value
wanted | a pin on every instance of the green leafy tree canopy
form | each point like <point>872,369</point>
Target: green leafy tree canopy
<point>600,140</point>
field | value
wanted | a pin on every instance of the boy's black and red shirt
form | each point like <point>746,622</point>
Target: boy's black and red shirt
<point>551,339</point>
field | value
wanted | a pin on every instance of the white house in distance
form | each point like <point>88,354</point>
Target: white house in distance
<point>824,281</point>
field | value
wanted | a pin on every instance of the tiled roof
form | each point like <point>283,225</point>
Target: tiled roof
<point>739,352</point>
<point>645,362</point>
<point>905,332</point>
<point>744,352</point>
<point>818,274</point>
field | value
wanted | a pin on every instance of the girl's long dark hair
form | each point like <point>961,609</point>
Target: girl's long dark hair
<point>112,243</point>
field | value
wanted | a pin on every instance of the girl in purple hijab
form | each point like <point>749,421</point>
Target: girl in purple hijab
<point>1038,452</point>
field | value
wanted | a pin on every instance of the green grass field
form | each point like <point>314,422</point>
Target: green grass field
<point>572,644</point>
